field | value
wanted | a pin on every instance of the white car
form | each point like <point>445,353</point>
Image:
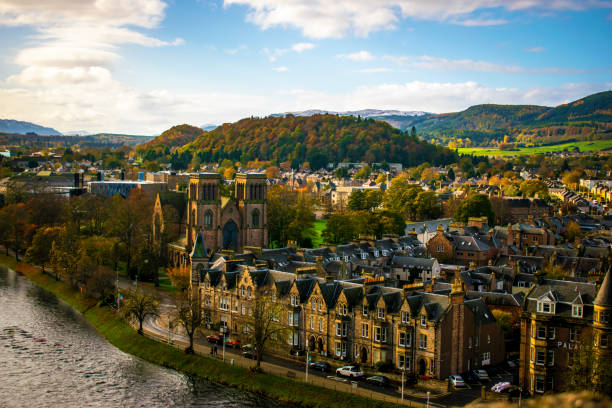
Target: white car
<point>501,386</point>
<point>349,371</point>
<point>457,381</point>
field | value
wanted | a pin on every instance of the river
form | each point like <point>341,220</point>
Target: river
<point>50,356</point>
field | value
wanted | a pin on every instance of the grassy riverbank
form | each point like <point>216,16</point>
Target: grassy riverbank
<point>122,336</point>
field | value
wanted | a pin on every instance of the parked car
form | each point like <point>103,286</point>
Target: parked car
<point>470,377</point>
<point>232,342</point>
<point>249,351</point>
<point>320,366</point>
<point>482,375</point>
<point>457,381</point>
<point>379,380</point>
<point>215,339</point>
<point>501,387</point>
<point>349,371</point>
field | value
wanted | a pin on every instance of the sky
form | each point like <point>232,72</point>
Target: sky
<point>142,66</point>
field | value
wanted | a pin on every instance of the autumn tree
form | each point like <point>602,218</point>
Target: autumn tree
<point>180,277</point>
<point>428,205</point>
<point>189,314</point>
<point>138,305</point>
<point>290,216</point>
<point>273,172</point>
<point>572,178</point>
<point>101,285</point>
<point>572,231</point>
<point>400,197</point>
<point>586,370</point>
<point>39,252</point>
<point>263,323</point>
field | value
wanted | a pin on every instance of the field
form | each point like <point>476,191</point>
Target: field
<point>585,146</point>
<point>319,226</point>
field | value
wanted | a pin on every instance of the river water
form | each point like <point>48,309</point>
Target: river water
<point>50,356</point>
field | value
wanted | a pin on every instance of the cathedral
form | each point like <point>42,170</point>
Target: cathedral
<point>224,223</point>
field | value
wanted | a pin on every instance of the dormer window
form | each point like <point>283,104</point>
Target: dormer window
<point>242,291</point>
<point>294,300</point>
<point>577,311</point>
<point>342,309</point>
<point>364,310</point>
<point>423,320</point>
<point>546,307</point>
<point>381,312</point>
<point>249,292</point>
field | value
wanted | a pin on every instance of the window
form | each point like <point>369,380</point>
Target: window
<point>551,333</point>
<point>422,341</point>
<point>402,338</point>
<point>551,358</point>
<point>423,320</point>
<point>365,330</point>
<point>293,318</point>
<point>311,322</point>
<point>255,218</point>
<point>249,292</point>
<point>364,310</point>
<point>321,325</point>
<point>604,316</point>
<point>319,304</point>
<point>405,317</point>
<point>381,313</point>
<point>224,303</point>
<point>486,358</point>
<point>342,309</point>
<point>403,362</point>
<point>338,329</point>
<point>574,334</point>
<point>364,255</point>
<point>295,301</point>
<point>603,341</point>
<point>208,219</point>
<point>432,366</point>
<point>576,310</point>
<point>439,248</point>
<point>377,334</point>
<point>488,339</point>
<point>338,349</point>
<point>383,335</point>
<point>242,291</point>
<point>541,332</point>
<point>235,308</point>
<point>243,310</point>
<point>207,301</point>
<point>532,355</point>
<point>540,357</point>
<point>539,383</point>
<point>546,307</point>
<point>550,383</point>
<point>313,304</point>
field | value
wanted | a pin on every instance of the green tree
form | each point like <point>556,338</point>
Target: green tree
<point>363,173</point>
<point>356,200</point>
<point>428,205</point>
<point>340,228</point>
<point>290,216</point>
<point>477,205</point>
<point>400,197</point>
<point>138,305</point>
<point>341,173</point>
<point>451,174</point>
<point>532,187</point>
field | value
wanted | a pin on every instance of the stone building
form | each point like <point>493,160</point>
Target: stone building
<point>558,317</point>
<point>227,223</point>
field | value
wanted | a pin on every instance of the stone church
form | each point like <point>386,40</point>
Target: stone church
<point>224,223</point>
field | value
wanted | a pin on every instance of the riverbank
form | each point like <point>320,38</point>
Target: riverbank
<point>122,336</point>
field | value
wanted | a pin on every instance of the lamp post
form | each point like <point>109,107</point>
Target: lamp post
<point>223,330</point>
<point>307,360</point>
<point>403,370</point>
<point>428,394</point>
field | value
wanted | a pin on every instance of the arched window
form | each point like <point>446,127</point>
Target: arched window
<point>255,218</point>
<point>208,219</point>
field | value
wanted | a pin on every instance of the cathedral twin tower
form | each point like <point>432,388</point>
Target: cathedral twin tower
<point>227,222</point>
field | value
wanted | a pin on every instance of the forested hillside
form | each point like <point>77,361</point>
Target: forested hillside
<point>584,119</point>
<point>176,136</point>
<point>316,139</point>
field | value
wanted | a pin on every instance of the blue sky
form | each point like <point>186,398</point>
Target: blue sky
<point>145,65</point>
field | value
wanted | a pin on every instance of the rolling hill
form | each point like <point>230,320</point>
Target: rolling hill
<point>318,139</point>
<point>176,136</point>
<point>22,128</point>
<point>589,117</point>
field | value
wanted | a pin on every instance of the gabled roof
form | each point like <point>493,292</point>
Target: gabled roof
<point>304,287</point>
<point>199,248</point>
<point>330,292</point>
<point>482,314</point>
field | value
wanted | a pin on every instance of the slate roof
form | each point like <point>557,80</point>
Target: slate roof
<point>412,262</point>
<point>304,287</point>
<point>468,243</point>
<point>564,293</point>
<point>199,248</point>
<point>604,296</point>
<point>497,299</point>
<point>482,314</point>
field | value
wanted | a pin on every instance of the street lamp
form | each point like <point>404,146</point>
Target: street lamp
<point>223,330</point>
<point>307,360</point>
<point>428,394</point>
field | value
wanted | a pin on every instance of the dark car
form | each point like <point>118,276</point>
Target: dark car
<point>215,339</point>
<point>470,377</point>
<point>320,366</point>
<point>379,380</point>
<point>249,351</point>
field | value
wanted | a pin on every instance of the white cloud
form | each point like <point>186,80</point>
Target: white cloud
<point>281,69</point>
<point>338,18</point>
<point>357,56</point>
<point>303,46</point>
<point>535,49</point>
<point>374,70</point>
<point>273,55</point>
<point>234,51</point>
<point>427,62</point>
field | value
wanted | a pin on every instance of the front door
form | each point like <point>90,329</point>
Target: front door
<point>230,235</point>
<point>363,355</point>
<point>422,367</point>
